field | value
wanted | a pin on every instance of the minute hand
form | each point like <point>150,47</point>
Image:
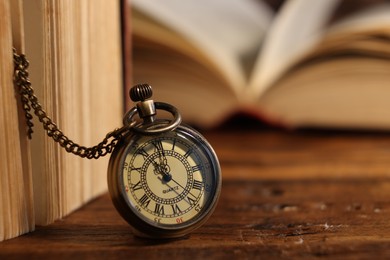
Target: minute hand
<point>182,187</point>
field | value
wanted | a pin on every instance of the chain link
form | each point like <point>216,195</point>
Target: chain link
<point>30,102</point>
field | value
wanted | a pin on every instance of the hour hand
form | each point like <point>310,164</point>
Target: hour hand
<point>160,149</point>
<point>164,170</point>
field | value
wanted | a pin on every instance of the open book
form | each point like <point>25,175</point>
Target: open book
<point>74,49</point>
<point>309,64</point>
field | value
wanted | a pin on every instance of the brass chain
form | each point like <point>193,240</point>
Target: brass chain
<point>30,101</point>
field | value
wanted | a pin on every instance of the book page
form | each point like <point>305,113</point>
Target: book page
<point>146,28</point>
<point>75,69</point>
<point>298,27</point>
<point>223,30</point>
<point>347,92</point>
<point>365,33</point>
<point>16,212</point>
<point>343,82</point>
<point>370,18</point>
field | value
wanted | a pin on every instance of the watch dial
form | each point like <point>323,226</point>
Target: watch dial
<point>170,179</point>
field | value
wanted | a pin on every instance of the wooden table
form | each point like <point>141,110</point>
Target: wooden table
<point>285,194</point>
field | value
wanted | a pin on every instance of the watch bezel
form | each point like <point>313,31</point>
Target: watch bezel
<point>142,226</point>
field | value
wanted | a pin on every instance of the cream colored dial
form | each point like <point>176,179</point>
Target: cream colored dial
<point>167,179</point>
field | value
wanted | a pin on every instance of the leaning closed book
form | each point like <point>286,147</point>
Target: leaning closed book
<point>75,67</point>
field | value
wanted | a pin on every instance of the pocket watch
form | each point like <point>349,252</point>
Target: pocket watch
<point>164,178</point>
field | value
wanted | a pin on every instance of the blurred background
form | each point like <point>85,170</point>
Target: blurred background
<point>290,64</point>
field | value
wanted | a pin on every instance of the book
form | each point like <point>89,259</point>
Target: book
<point>308,63</point>
<point>75,55</point>
<point>16,202</point>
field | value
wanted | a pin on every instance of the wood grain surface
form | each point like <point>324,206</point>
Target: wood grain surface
<point>284,195</point>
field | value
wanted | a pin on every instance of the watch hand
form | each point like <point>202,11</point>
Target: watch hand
<point>178,193</point>
<point>162,162</point>
<point>178,184</point>
<point>156,167</point>
<point>189,192</point>
<point>162,169</point>
<point>161,154</point>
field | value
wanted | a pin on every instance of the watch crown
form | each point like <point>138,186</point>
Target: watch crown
<point>146,109</point>
<point>141,92</point>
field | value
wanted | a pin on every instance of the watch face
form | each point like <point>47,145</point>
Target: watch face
<point>170,181</point>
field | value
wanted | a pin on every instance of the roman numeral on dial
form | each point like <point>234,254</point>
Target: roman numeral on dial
<point>190,151</point>
<point>173,144</point>
<point>137,186</point>
<point>191,200</point>
<point>143,153</point>
<point>197,185</point>
<point>175,209</point>
<point>144,200</point>
<point>159,209</point>
<point>197,168</point>
<point>158,145</point>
